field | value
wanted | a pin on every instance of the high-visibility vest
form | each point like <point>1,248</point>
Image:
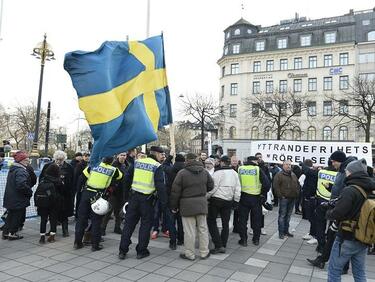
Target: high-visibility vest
<point>100,177</point>
<point>143,179</point>
<point>250,179</point>
<point>325,177</point>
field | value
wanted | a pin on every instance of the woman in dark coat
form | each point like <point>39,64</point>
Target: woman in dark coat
<point>66,191</point>
<point>17,195</point>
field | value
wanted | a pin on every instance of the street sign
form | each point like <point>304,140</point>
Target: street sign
<point>30,135</point>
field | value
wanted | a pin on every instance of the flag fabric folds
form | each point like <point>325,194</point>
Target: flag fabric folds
<point>122,89</point>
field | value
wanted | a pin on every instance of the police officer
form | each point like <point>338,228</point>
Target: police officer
<point>254,188</point>
<point>98,179</point>
<point>148,178</point>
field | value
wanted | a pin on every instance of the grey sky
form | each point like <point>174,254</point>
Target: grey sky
<point>193,32</point>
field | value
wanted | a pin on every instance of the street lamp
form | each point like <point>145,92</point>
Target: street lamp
<point>43,52</point>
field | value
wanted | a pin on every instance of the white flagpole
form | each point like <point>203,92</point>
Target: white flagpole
<point>1,16</point>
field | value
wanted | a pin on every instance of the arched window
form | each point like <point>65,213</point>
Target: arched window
<point>371,36</point>
<point>237,31</point>
<point>327,133</point>
<point>254,132</point>
<point>311,133</point>
<point>268,133</point>
<point>343,133</point>
<point>232,132</point>
<point>296,133</point>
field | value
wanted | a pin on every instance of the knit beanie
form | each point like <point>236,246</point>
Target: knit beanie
<point>179,158</point>
<point>53,170</point>
<point>20,156</point>
<point>338,156</point>
<point>357,166</point>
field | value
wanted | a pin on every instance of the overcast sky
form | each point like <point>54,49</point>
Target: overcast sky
<point>193,33</point>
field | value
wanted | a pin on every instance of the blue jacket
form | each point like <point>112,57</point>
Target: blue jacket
<point>339,184</point>
<point>18,188</point>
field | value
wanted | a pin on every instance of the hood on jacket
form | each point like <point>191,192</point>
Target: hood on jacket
<point>15,166</point>
<point>344,164</point>
<point>177,166</point>
<point>194,167</point>
<point>361,179</point>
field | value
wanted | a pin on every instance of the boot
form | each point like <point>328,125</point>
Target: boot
<point>318,262</point>
<point>51,238</point>
<point>87,238</point>
<point>64,226</point>
<point>5,235</point>
<point>42,239</point>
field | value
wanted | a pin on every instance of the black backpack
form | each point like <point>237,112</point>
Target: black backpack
<point>44,195</point>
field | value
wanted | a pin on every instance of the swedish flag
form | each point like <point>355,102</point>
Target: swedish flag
<point>123,91</point>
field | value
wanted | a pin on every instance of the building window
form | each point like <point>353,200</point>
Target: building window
<point>344,59</point>
<point>237,31</point>
<point>269,65</point>
<point>343,107</point>
<point>268,133</point>
<point>256,87</point>
<point>343,133</point>
<point>226,50</point>
<point>282,109</point>
<point>297,85</point>
<point>249,31</point>
<point>259,45</point>
<point>313,62</point>
<point>283,64</point>
<point>231,152</point>
<point>311,133</point>
<point>297,63</point>
<point>236,49</point>
<point>312,84</point>
<point>282,43</point>
<point>327,133</point>
<point>254,132</point>
<point>232,132</point>
<point>366,58</point>
<point>283,86</point>
<point>296,133</point>
<point>269,86</point>
<point>311,109</point>
<point>297,106</point>
<point>233,89</point>
<point>371,36</point>
<point>268,107</point>
<point>327,83</point>
<point>234,68</point>
<point>256,66</point>
<point>228,34</point>
<point>328,60</point>
<point>255,110</point>
<point>327,108</point>
<point>344,82</point>
<point>222,71</point>
<point>330,37</point>
<point>222,91</point>
<point>305,40</point>
<point>367,76</point>
<point>233,110</point>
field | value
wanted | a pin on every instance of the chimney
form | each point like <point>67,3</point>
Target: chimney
<point>296,17</point>
<point>351,12</point>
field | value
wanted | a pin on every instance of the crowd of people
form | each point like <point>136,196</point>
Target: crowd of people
<point>182,196</point>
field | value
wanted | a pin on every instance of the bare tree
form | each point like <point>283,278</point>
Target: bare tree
<point>357,106</point>
<point>279,111</point>
<point>203,110</point>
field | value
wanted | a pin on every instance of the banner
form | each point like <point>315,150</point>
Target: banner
<point>278,151</point>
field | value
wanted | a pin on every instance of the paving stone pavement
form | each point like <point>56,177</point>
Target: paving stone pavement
<point>272,260</point>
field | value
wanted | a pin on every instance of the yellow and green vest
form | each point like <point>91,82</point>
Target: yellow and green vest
<point>250,179</point>
<point>100,177</point>
<point>143,179</point>
<point>325,177</point>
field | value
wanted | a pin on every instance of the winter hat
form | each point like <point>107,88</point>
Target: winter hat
<point>338,156</point>
<point>53,170</point>
<point>225,159</point>
<point>20,156</point>
<point>357,166</point>
<point>179,158</point>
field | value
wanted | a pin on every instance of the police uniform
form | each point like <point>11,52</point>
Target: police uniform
<point>148,178</point>
<point>325,178</point>
<point>254,183</point>
<point>98,179</point>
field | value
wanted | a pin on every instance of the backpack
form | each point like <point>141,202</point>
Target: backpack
<point>364,227</point>
<point>44,195</point>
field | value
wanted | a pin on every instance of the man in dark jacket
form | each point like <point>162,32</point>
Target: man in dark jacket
<point>348,207</point>
<point>17,195</point>
<point>188,195</point>
<point>287,189</point>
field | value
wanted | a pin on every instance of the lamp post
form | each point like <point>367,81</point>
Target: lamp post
<point>43,52</point>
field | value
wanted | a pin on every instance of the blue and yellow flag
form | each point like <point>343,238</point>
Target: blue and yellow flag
<point>123,91</point>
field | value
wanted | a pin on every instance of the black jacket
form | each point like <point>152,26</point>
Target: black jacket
<point>310,183</point>
<point>171,173</point>
<point>18,188</point>
<point>350,201</point>
<point>54,185</point>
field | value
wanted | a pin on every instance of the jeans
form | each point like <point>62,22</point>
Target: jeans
<point>344,251</point>
<point>218,206</point>
<point>285,211</point>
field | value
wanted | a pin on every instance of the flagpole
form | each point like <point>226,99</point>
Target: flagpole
<point>1,16</point>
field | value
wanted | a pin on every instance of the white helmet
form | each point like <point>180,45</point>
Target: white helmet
<point>100,207</point>
<point>125,208</point>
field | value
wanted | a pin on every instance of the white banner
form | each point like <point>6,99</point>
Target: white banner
<point>277,151</point>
